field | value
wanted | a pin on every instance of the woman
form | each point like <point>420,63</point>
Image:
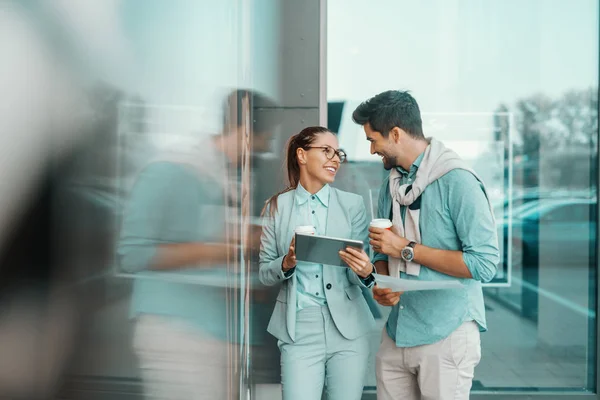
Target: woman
<point>321,319</point>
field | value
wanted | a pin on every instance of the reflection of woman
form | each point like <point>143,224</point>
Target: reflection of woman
<point>321,318</point>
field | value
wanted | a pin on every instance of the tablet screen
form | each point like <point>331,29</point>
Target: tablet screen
<point>323,249</point>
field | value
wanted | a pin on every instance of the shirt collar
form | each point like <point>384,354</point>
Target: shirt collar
<point>413,168</point>
<point>302,195</point>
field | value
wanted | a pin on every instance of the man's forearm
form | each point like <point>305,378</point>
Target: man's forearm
<point>382,267</point>
<point>181,255</point>
<point>449,262</point>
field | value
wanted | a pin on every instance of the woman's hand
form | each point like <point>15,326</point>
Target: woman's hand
<point>289,261</point>
<point>358,261</point>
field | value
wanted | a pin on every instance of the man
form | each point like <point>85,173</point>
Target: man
<point>443,229</point>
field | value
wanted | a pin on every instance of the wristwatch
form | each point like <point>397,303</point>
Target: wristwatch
<point>408,253</point>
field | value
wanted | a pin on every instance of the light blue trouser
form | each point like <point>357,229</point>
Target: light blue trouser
<point>321,355</point>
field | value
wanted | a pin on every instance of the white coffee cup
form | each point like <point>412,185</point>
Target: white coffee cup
<point>305,230</point>
<point>381,223</point>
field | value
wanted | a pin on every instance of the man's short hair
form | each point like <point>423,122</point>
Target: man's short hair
<point>393,108</point>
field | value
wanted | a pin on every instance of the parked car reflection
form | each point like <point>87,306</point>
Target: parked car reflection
<point>567,226</point>
<point>529,198</point>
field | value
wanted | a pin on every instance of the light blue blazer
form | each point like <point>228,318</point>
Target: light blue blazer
<point>346,218</point>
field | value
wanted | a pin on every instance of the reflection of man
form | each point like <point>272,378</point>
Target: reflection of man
<point>443,230</point>
<point>174,238</point>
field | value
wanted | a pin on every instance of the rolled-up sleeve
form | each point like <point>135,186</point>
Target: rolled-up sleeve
<point>475,226</point>
<point>379,257</point>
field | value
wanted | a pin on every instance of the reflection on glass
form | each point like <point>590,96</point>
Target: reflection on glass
<point>532,133</point>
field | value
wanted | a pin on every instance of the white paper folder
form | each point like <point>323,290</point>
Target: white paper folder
<point>405,285</point>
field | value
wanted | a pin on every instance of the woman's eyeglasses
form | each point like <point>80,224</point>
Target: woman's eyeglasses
<point>330,152</point>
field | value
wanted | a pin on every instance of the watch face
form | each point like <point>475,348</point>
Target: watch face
<point>407,254</point>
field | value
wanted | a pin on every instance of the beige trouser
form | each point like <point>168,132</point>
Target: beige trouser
<point>180,363</point>
<point>440,371</point>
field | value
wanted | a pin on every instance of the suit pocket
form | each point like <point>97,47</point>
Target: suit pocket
<point>353,292</point>
<point>282,295</point>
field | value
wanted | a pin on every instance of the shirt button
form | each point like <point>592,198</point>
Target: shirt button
<point>316,276</point>
<point>402,307</point>
<point>313,211</point>
<point>317,293</point>
<point>328,286</point>
<point>312,197</point>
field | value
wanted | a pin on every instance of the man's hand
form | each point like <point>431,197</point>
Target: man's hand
<point>386,297</point>
<point>386,241</point>
<point>289,260</point>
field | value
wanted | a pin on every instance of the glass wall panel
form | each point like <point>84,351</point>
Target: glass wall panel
<point>147,118</point>
<point>512,87</point>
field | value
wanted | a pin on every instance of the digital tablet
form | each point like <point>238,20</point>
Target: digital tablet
<point>323,249</point>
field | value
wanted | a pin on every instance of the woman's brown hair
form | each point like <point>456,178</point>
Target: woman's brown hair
<point>301,140</point>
